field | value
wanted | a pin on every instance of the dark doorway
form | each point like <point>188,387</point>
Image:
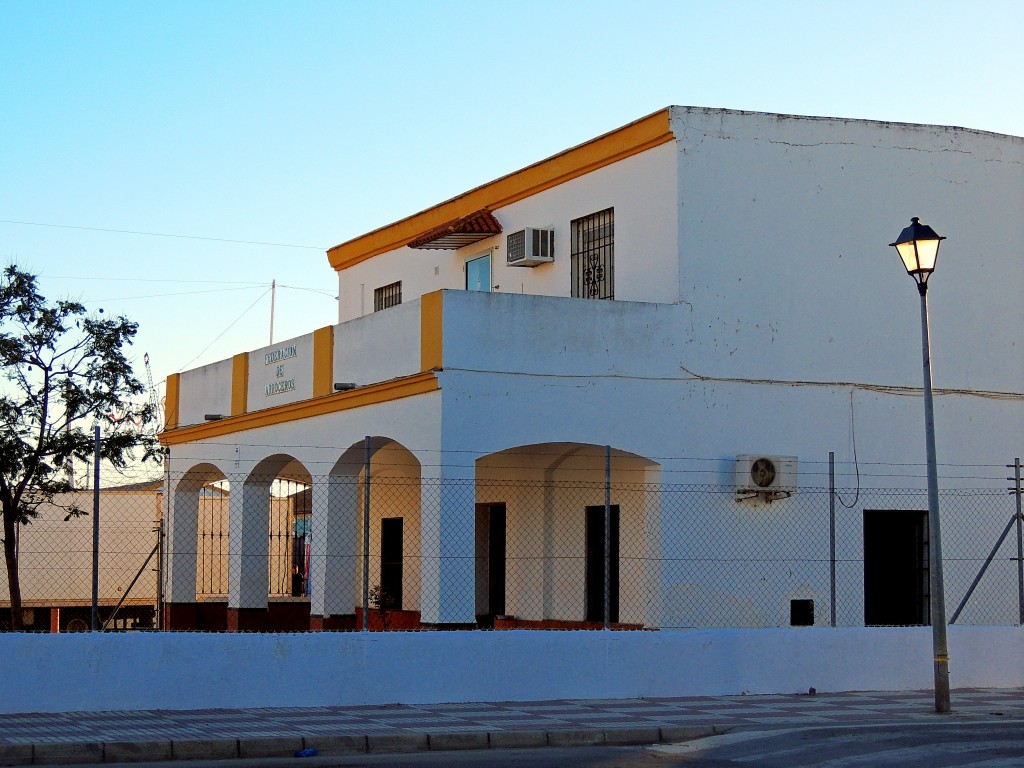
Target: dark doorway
<point>895,567</point>
<point>391,563</point>
<point>595,565</point>
<point>490,563</point>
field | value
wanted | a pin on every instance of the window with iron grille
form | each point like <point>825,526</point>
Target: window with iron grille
<point>593,256</point>
<point>387,296</point>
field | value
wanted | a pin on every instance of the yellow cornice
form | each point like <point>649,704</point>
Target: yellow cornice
<point>641,135</point>
<point>408,386</point>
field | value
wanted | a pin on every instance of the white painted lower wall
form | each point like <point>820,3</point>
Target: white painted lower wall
<point>52,673</point>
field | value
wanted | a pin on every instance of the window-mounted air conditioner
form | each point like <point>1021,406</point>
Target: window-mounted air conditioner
<point>530,247</point>
<point>771,477</point>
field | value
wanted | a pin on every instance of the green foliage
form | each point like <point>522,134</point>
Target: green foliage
<point>61,372</point>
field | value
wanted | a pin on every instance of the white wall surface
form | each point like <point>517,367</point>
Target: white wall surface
<point>316,443</point>
<point>96,672</point>
<point>642,189</point>
<point>380,346</point>
<point>785,268</point>
<point>280,373</point>
<point>616,372</point>
<point>204,390</point>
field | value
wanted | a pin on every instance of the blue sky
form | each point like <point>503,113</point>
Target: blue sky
<point>295,126</point>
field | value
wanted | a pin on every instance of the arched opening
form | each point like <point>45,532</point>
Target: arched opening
<point>268,523</point>
<point>540,537</point>
<point>384,557</point>
<point>195,551</point>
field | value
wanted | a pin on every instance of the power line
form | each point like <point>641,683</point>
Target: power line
<point>179,293</point>
<point>104,278</point>
<point>233,322</point>
<point>162,234</point>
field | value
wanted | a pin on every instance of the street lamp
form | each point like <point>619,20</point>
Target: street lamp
<point>918,246</point>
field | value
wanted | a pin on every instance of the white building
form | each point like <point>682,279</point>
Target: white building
<point>753,308</point>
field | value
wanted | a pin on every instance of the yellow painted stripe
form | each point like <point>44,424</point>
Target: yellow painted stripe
<point>409,386</point>
<point>171,401</point>
<point>639,136</point>
<point>323,361</point>
<point>239,383</point>
<point>431,327</point>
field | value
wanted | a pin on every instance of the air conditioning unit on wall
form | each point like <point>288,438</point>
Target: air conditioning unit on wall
<point>530,247</point>
<point>767,477</point>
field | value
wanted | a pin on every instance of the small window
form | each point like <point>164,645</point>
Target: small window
<point>801,613</point>
<point>593,256</point>
<point>387,296</point>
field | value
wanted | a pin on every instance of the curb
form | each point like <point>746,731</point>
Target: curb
<point>50,753</point>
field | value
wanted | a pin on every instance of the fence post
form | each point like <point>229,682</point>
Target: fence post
<point>607,535</point>
<point>1020,543</point>
<point>96,533</point>
<point>366,537</point>
<point>832,535</point>
<point>160,527</point>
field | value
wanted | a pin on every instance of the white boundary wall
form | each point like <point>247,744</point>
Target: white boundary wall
<point>85,672</point>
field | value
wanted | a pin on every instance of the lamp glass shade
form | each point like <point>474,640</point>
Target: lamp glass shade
<point>918,246</point>
<point>919,255</point>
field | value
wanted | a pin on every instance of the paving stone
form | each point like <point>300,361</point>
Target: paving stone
<point>337,744</point>
<point>15,754</point>
<point>575,737</point>
<point>269,746</point>
<point>136,751</point>
<point>458,740</point>
<point>638,735</point>
<point>204,749</point>
<point>68,752</point>
<point>398,742</point>
<point>518,739</point>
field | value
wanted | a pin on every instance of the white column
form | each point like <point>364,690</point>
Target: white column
<point>448,528</point>
<point>334,545</point>
<point>248,553</point>
<point>182,541</point>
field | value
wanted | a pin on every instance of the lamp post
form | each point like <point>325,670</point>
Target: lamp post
<point>918,246</point>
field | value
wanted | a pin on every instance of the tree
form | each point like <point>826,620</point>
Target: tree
<point>62,372</point>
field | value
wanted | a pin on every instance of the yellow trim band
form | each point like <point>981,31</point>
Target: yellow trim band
<point>171,400</point>
<point>409,386</point>
<point>323,361</point>
<point>432,331</point>
<point>239,383</point>
<point>632,139</point>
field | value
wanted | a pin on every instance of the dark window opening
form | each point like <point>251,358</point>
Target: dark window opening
<point>391,563</point>
<point>387,296</point>
<point>490,563</point>
<point>592,256</point>
<point>896,568</point>
<point>801,613</point>
<point>595,564</point>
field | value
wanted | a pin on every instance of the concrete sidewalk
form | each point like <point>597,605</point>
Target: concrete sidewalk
<point>113,737</point>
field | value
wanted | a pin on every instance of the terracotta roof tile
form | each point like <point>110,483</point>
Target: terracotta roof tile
<point>455,234</point>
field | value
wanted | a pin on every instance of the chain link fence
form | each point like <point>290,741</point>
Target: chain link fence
<point>403,552</point>
<point>56,552</point>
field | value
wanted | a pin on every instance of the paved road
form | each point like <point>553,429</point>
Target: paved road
<point>964,744</point>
